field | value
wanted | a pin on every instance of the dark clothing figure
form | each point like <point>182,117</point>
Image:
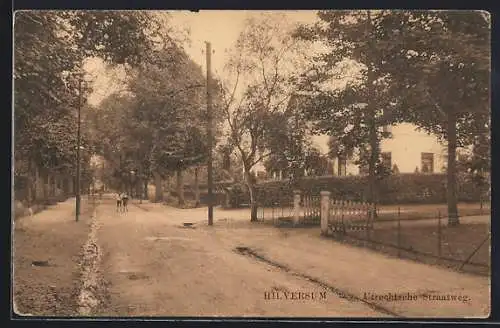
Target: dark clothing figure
<point>124,198</point>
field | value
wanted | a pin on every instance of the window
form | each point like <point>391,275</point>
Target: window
<point>427,163</point>
<point>387,160</point>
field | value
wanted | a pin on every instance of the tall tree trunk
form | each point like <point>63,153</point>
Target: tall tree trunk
<point>452,170</point>
<point>180,187</point>
<point>251,190</point>
<point>158,188</point>
<point>145,189</point>
<point>167,186</point>
<point>372,178</point>
<point>29,184</point>
<point>196,187</point>
<point>51,185</point>
<point>45,186</point>
<point>371,110</point>
<point>37,183</point>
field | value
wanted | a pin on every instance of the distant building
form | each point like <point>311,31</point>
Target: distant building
<point>409,150</point>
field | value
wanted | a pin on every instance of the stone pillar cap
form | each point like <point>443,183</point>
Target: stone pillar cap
<point>296,191</point>
<point>325,193</point>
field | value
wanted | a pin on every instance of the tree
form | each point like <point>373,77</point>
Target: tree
<point>339,151</point>
<point>50,48</point>
<point>441,64</point>
<point>44,93</point>
<point>288,140</point>
<point>422,57</point>
<point>161,119</point>
<point>260,63</point>
<point>354,108</point>
<point>315,163</point>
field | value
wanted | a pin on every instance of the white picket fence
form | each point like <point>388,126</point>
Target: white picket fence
<point>342,215</point>
<point>350,215</point>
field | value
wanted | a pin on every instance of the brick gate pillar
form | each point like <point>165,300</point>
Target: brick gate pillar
<point>325,211</point>
<point>296,206</point>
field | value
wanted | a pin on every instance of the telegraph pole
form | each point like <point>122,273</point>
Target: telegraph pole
<point>209,135</point>
<point>77,210</point>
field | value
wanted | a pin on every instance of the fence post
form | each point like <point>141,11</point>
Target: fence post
<point>325,211</point>
<point>399,231</point>
<point>296,207</point>
<point>439,234</point>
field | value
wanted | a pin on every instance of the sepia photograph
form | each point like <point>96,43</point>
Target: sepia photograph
<point>251,164</point>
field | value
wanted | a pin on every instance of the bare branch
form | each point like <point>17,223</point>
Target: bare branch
<point>436,104</point>
<point>262,157</point>
<point>263,71</point>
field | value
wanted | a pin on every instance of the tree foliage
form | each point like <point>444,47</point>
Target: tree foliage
<point>49,50</point>
<point>352,109</point>
<point>161,120</point>
<point>445,84</point>
<point>430,68</point>
<point>256,100</point>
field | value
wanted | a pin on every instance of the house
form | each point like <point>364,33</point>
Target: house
<point>409,150</point>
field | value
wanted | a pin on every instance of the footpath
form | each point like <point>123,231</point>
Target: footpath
<point>46,259</point>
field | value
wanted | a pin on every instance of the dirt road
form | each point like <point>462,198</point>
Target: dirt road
<point>147,263</point>
<point>157,267</point>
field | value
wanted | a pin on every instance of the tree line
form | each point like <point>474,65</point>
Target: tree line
<point>429,68</point>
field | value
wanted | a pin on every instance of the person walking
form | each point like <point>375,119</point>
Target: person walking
<point>124,198</point>
<point>118,198</point>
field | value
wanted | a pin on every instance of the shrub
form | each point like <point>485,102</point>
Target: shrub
<point>394,189</point>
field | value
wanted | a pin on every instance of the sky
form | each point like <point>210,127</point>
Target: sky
<point>219,27</point>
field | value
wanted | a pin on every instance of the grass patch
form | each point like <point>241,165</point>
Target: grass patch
<point>422,243</point>
<point>429,211</point>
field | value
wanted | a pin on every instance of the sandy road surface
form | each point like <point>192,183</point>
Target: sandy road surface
<point>352,271</point>
<point>154,267</point>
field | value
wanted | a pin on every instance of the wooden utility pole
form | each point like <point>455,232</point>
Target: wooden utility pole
<point>77,210</point>
<point>209,135</point>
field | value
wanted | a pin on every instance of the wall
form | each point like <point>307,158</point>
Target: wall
<point>407,145</point>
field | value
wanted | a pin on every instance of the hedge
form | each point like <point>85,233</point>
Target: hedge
<point>395,189</point>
